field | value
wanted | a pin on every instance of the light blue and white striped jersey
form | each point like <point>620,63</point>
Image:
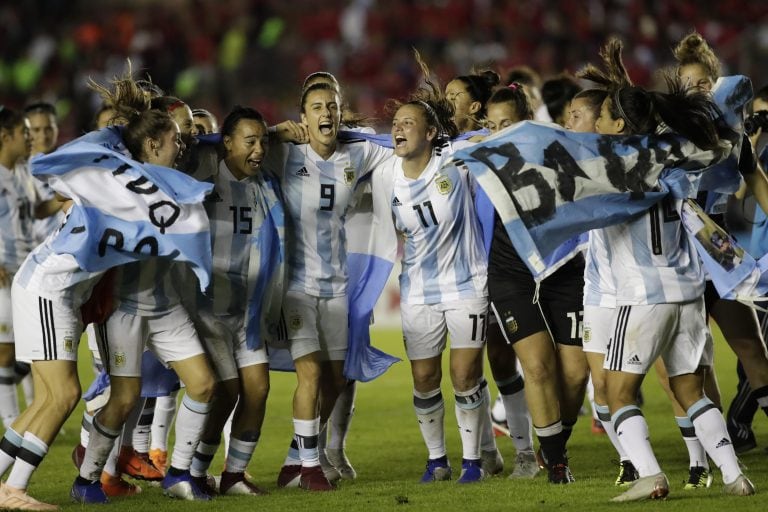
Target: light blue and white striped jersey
<point>652,260</point>
<point>599,285</point>
<point>318,194</point>
<point>17,201</point>
<point>234,220</point>
<point>443,258</point>
<point>55,276</point>
<point>146,288</point>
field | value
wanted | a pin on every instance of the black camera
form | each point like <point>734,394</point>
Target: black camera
<point>756,121</point>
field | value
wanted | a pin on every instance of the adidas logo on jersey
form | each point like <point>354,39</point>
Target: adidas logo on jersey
<point>634,360</point>
<point>214,197</point>
<point>303,172</point>
<point>723,442</point>
<point>396,202</point>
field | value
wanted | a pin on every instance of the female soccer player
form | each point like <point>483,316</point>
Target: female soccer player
<point>242,200</point>
<point>659,283</point>
<point>525,321</point>
<point>469,94</point>
<point>443,278</point>
<point>699,67</point>
<point>507,106</point>
<point>319,180</point>
<point>16,242</point>
<point>149,313</point>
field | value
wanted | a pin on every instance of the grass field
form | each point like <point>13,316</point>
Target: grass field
<point>386,449</point>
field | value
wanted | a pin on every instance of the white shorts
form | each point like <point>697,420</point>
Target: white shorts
<point>45,330</point>
<point>677,333</point>
<point>6,316</point>
<point>121,340</point>
<point>425,326</point>
<point>224,341</point>
<point>598,322</point>
<point>316,324</point>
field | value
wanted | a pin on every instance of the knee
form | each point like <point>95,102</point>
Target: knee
<point>538,373</point>
<point>64,398</point>
<point>426,378</point>
<point>201,390</point>
<point>121,404</point>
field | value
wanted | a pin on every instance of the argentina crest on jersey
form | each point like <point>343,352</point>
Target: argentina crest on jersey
<point>349,174</point>
<point>444,184</point>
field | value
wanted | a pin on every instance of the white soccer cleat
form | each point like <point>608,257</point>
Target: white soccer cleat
<point>16,499</point>
<point>330,470</point>
<point>654,487</point>
<point>492,462</point>
<point>526,465</point>
<point>339,460</point>
<point>740,487</point>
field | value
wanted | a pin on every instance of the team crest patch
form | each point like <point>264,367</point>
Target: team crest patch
<point>119,359</point>
<point>5,328</point>
<point>511,323</point>
<point>69,344</point>
<point>349,175</point>
<point>444,184</point>
<point>295,323</point>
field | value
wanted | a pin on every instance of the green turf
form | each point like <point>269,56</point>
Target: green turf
<point>388,453</point>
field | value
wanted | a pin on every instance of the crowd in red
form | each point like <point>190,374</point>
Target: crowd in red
<point>215,54</point>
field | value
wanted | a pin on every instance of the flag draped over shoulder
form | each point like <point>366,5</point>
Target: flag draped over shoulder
<point>371,253</point>
<point>126,211</point>
<point>549,185</point>
<point>266,268</point>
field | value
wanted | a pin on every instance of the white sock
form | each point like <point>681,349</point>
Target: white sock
<point>138,426</point>
<point>28,388</point>
<point>240,453</point>
<point>713,434</point>
<point>165,409</point>
<point>487,437</point>
<point>9,447</point>
<point>470,408</point>
<point>697,455</point>
<point>632,432</point>
<point>293,458</point>
<point>30,455</point>
<point>111,465</point>
<point>604,415</point>
<point>227,431</point>
<point>341,417</point>
<point>101,442</point>
<point>203,457</point>
<point>512,393</point>
<point>591,397</point>
<point>85,428</point>
<point>190,424</point>
<point>9,402</point>
<point>430,411</point>
<point>307,432</point>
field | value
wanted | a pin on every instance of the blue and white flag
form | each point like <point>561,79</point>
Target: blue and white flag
<point>550,185</point>
<point>126,211</point>
<point>266,269</point>
<point>371,254</point>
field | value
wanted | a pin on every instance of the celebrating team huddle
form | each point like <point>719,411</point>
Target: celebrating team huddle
<point>573,250</point>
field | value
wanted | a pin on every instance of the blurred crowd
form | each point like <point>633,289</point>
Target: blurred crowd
<point>215,54</point>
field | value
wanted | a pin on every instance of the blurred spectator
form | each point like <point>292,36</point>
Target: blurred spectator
<point>217,54</point>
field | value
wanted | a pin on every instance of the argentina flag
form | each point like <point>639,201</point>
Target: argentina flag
<point>549,185</point>
<point>126,211</point>
<point>266,269</point>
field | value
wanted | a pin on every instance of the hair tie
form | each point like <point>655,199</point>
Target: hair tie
<point>513,86</point>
